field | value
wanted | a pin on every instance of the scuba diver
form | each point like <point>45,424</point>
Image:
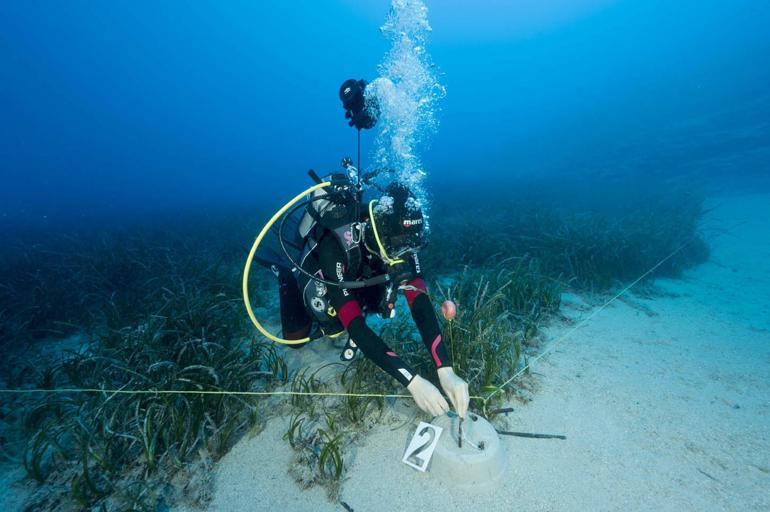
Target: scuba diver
<point>344,259</point>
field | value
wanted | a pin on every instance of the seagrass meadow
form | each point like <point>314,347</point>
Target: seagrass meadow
<point>156,306</point>
<point>592,180</point>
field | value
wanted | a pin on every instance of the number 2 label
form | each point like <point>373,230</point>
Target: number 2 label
<point>421,447</point>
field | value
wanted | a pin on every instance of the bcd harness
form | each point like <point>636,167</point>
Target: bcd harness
<point>339,218</point>
<point>338,215</point>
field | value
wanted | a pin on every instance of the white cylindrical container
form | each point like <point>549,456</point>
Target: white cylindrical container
<point>479,461</point>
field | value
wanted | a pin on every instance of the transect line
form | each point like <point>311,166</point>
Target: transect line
<point>585,320</point>
<point>199,392</point>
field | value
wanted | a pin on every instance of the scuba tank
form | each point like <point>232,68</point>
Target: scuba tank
<point>331,211</point>
<point>336,211</point>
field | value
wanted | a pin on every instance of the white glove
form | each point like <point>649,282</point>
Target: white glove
<point>455,388</point>
<point>427,397</point>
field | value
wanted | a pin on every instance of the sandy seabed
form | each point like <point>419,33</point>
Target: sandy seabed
<point>665,403</point>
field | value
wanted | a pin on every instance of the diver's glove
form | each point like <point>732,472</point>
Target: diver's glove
<point>427,397</point>
<point>455,388</point>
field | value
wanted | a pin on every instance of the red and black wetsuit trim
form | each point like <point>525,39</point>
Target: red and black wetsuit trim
<point>425,318</point>
<point>351,305</point>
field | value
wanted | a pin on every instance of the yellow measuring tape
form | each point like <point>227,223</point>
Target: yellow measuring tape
<point>202,392</point>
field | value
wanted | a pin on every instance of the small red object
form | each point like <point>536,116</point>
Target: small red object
<point>449,310</point>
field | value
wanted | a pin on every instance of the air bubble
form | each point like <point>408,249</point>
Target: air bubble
<point>408,92</point>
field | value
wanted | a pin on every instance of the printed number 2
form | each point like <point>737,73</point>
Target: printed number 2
<point>412,457</point>
<point>420,449</point>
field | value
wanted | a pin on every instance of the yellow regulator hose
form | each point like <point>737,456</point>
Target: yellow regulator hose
<point>383,254</point>
<point>250,259</point>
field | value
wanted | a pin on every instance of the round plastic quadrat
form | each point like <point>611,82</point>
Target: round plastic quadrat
<point>478,461</point>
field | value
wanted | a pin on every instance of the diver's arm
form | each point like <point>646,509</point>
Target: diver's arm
<point>373,347</point>
<point>426,395</point>
<point>425,317</point>
<point>349,313</point>
<point>427,323</point>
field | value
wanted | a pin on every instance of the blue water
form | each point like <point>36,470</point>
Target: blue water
<point>194,121</point>
<point>112,109</point>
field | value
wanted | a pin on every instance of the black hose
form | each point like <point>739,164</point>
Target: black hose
<point>532,436</point>
<point>372,281</point>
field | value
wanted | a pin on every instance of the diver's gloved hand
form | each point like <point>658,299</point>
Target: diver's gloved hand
<point>427,397</point>
<point>455,388</point>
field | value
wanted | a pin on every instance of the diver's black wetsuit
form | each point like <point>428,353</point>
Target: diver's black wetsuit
<point>352,305</point>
